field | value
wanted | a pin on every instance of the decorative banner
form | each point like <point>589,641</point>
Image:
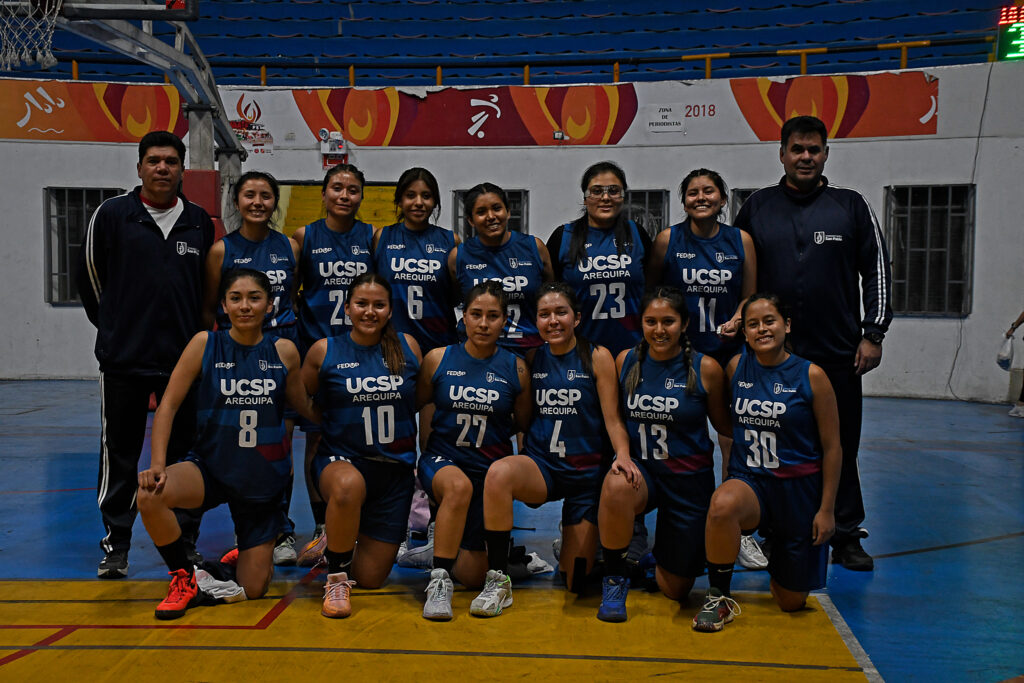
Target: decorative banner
<point>93,112</point>
<point>253,135</point>
<point>502,116</point>
<point>875,105</point>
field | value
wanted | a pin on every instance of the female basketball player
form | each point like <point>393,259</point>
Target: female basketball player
<point>333,251</point>
<point>669,392</point>
<point>716,267</point>
<point>713,263</point>
<point>365,377</point>
<point>602,255</point>
<point>576,395</point>
<point>241,456</point>
<point>518,261</point>
<point>412,256</point>
<point>258,246</point>
<point>481,398</point>
<point>783,470</point>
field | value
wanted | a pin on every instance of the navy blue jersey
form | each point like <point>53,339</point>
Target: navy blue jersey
<point>710,274</point>
<point>272,256</point>
<point>328,264</point>
<point>668,427</point>
<point>416,265</point>
<point>608,285</point>
<point>367,411</point>
<point>473,400</point>
<point>240,414</point>
<point>568,426</point>
<point>517,265</point>
<point>774,430</point>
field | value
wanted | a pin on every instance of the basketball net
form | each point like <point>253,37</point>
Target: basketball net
<point>26,33</point>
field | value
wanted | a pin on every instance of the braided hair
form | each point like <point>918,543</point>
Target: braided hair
<point>677,301</point>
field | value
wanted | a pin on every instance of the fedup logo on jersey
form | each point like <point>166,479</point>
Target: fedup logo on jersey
<point>248,392</point>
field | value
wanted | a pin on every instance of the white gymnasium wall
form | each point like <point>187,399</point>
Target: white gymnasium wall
<point>978,141</point>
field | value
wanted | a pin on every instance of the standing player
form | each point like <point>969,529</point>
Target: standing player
<point>147,242</point>
<point>821,250</point>
<point>256,245</point>
<point>481,397</point>
<point>601,255</point>
<point>519,262</point>
<point>365,377</point>
<point>576,395</point>
<point>332,252</point>
<point>669,392</point>
<point>412,256</point>
<point>715,265</point>
<point>241,456</point>
<point>783,470</point>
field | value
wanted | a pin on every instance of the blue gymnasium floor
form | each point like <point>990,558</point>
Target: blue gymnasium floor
<point>943,481</point>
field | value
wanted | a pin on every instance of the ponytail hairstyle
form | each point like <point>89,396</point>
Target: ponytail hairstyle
<point>715,177</point>
<point>779,306</point>
<point>390,345</point>
<point>236,274</point>
<point>410,176</point>
<point>623,235</point>
<point>583,345</point>
<point>677,301</point>
<point>492,287</point>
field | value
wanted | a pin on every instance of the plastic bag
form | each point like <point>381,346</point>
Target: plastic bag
<point>1005,356</point>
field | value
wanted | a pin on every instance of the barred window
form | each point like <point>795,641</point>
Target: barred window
<point>930,230</point>
<point>518,210</point>
<point>649,209</point>
<point>68,210</point>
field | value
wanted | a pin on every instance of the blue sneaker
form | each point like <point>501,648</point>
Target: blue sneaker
<point>613,599</point>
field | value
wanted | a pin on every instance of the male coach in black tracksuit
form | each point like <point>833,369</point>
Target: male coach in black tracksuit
<point>140,277</point>
<point>820,249</point>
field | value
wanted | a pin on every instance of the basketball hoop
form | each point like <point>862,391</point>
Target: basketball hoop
<point>26,33</point>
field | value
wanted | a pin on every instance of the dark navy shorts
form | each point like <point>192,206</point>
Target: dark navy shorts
<point>788,507</point>
<point>473,533</point>
<point>579,491</point>
<point>682,501</point>
<point>385,513</point>
<point>256,522</point>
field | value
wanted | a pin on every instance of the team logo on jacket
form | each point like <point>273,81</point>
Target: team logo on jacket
<point>819,237</point>
<point>182,248</point>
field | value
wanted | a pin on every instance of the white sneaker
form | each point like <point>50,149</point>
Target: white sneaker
<point>1017,411</point>
<point>750,556</point>
<point>284,552</point>
<point>496,595</point>
<point>439,597</point>
<point>418,557</point>
<point>224,591</point>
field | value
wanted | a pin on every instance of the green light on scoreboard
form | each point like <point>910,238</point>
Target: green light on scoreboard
<point>1011,33</point>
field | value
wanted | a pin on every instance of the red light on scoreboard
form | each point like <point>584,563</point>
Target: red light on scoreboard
<point>1013,14</point>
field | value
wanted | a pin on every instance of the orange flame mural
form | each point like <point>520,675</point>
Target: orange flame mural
<point>92,112</point>
<point>251,112</point>
<point>876,105</point>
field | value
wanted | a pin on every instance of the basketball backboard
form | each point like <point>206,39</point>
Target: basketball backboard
<point>159,10</point>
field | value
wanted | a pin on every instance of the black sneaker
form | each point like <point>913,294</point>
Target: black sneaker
<point>114,565</point>
<point>852,556</point>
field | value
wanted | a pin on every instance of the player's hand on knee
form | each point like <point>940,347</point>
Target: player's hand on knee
<point>823,527</point>
<point>152,479</point>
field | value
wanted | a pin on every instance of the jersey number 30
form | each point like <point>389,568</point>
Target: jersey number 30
<point>762,449</point>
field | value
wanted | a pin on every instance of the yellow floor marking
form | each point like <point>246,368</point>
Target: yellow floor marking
<point>547,631</point>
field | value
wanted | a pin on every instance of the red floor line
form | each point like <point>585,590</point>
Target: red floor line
<point>286,600</point>
<point>48,640</point>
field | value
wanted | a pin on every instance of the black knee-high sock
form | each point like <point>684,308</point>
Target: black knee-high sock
<point>615,561</point>
<point>497,549</point>
<point>174,554</point>
<point>720,576</point>
<point>319,512</point>
<point>338,562</point>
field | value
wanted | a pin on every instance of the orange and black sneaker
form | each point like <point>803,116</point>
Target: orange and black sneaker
<point>230,558</point>
<point>181,594</point>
